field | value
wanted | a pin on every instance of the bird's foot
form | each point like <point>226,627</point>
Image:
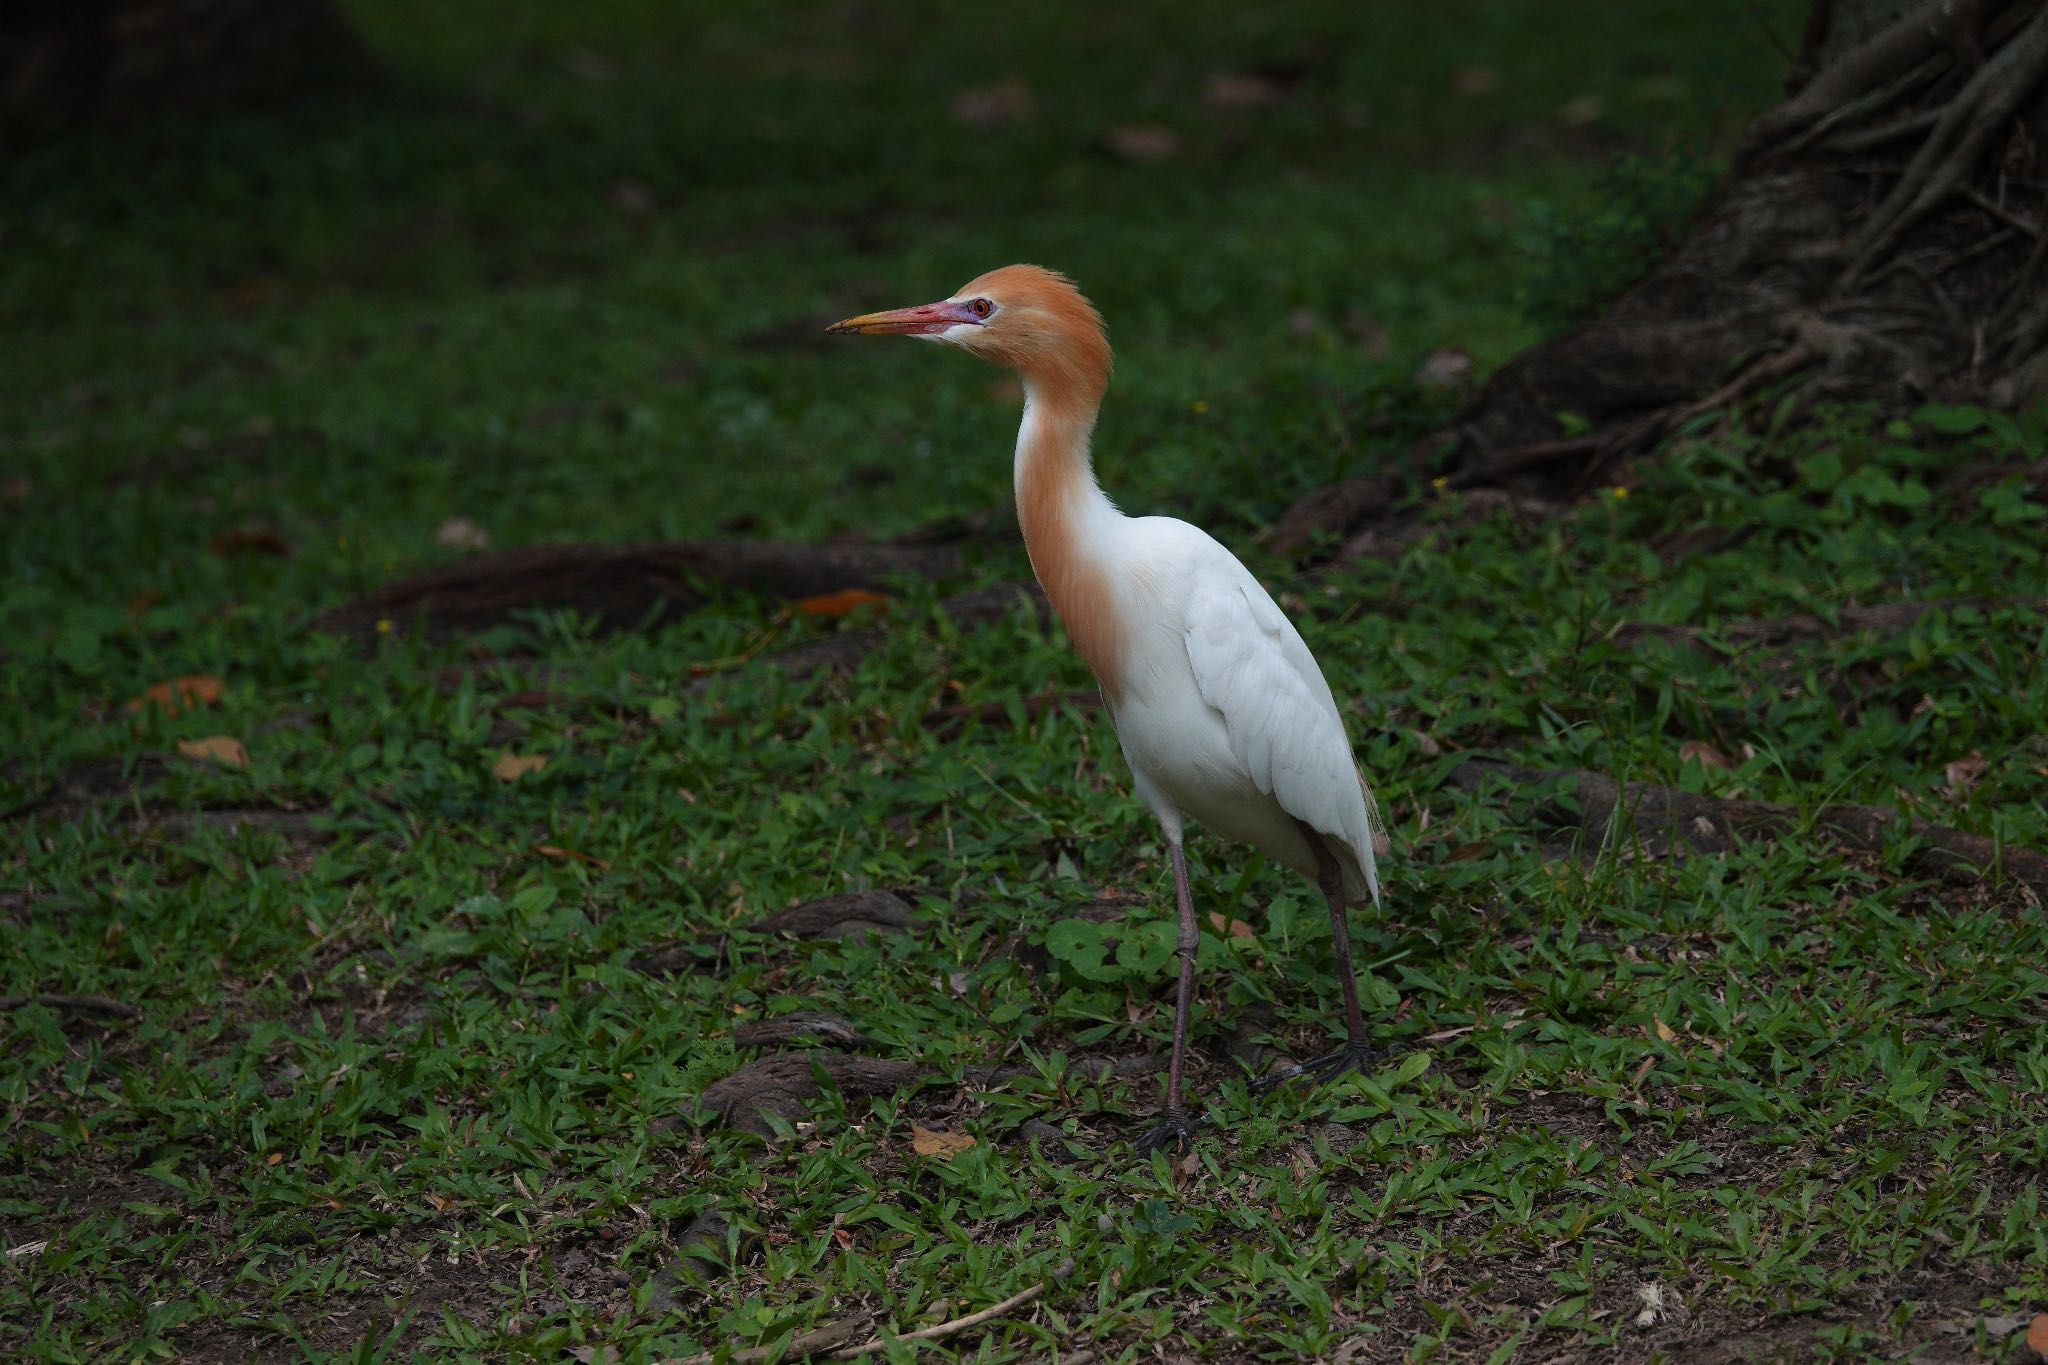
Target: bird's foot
<point>1173,1131</point>
<point>1356,1056</point>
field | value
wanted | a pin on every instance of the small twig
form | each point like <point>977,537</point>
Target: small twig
<point>810,1343</point>
<point>1662,818</point>
<point>1947,158</point>
<point>1864,139</point>
<point>822,1341</point>
<point>947,1329</point>
<point>2001,212</point>
<point>83,1004</point>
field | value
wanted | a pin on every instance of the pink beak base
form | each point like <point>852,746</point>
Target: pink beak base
<point>926,319</point>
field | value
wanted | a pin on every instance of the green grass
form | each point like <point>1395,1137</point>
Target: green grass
<point>399,1089</point>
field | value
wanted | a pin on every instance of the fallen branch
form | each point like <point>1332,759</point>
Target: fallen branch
<point>823,1339</point>
<point>620,586</point>
<point>81,1004</point>
<point>968,610</point>
<point>1885,617</point>
<point>784,1084</point>
<point>1662,820</point>
<point>957,1325</point>
<point>811,1343</point>
<point>951,720</point>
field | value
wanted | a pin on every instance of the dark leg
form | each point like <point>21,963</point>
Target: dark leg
<point>1357,1053</point>
<point>1174,1128</point>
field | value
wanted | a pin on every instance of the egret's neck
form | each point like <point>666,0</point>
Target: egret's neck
<point>1069,524</point>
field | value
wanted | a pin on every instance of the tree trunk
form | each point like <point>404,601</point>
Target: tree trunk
<point>67,63</point>
<point>1879,237</point>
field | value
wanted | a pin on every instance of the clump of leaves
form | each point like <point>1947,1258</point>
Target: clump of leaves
<point>1585,252</point>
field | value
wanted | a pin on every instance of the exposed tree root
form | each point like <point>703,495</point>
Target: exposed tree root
<point>623,586</point>
<point>785,1085</point>
<point>851,913</point>
<point>1885,617</point>
<point>1959,137</point>
<point>77,1004</point>
<point>1879,239</point>
<point>1663,820</point>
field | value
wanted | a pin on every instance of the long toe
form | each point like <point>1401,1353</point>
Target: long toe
<point>1173,1131</point>
<point>1357,1057</point>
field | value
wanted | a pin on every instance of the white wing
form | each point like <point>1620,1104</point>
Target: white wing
<point>1252,667</point>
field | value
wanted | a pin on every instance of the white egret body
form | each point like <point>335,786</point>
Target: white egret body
<point>1220,708</point>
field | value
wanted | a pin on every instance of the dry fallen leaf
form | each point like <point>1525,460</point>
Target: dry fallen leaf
<point>1236,928</point>
<point>1446,367</point>
<point>192,689</point>
<point>932,1142</point>
<point>2037,1335</point>
<point>1962,774</point>
<point>1371,334</point>
<point>1240,90</point>
<point>1473,81</point>
<point>574,855</point>
<point>634,198</point>
<point>1144,142</point>
<point>1664,1033</point>
<point>460,533</point>
<point>1581,112</point>
<point>252,539</point>
<point>1465,853</point>
<point>840,603</point>
<point>512,767</point>
<point>225,750</point>
<point>991,106</point>
<point>1706,755</point>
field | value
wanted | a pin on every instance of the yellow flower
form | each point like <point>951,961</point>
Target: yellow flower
<point>1619,492</point>
<point>1440,481</point>
<point>383,625</point>
<point>1201,405</point>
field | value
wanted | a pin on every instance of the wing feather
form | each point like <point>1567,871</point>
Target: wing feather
<point>1251,666</point>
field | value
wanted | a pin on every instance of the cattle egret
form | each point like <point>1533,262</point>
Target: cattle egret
<point>1221,710</point>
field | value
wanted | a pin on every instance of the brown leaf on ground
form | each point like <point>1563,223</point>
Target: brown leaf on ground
<point>178,694</point>
<point>573,855</point>
<point>512,767</point>
<point>1371,334</point>
<point>987,107</point>
<point>1446,367</point>
<point>1961,774</point>
<point>634,198</point>
<point>1235,928</point>
<point>1144,142</point>
<point>225,750</point>
<point>932,1142</point>
<point>251,540</point>
<point>1706,755</point>
<point>1231,90</point>
<point>842,603</point>
<point>1582,112</point>
<point>460,533</point>
<point>1474,81</point>
<point>2037,1335</point>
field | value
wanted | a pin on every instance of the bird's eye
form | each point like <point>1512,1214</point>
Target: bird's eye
<point>981,308</point>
